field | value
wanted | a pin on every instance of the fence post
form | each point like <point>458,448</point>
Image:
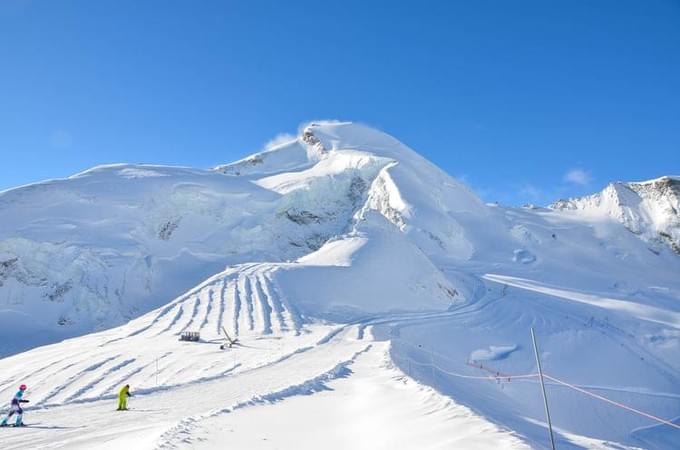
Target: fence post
<point>545,397</point>
<point>434,377</point>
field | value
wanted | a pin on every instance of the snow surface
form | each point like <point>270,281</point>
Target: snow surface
<point>358,278</point>
<point>346,411</point>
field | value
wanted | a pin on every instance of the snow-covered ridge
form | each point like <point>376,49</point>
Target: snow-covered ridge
<point>650,209</point>
<point>110,243</point>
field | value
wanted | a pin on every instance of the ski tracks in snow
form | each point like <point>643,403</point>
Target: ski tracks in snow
<point>346,407</point>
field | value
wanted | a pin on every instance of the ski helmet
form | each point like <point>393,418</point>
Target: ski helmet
<point>22,387</point>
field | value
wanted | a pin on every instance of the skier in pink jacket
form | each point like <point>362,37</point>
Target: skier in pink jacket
<point>16,408</point>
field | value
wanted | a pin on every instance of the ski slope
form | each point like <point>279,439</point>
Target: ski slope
<point>356,275</point>
<point>177,417</point>
<point>370,395</point>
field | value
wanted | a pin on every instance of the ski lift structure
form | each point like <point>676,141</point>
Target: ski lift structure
<point>229,342</point>
<point>191,336</point>
<point>195,336</point>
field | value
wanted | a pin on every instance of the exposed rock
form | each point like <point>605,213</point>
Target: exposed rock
<point>166,229</point>
<point>58,291</point>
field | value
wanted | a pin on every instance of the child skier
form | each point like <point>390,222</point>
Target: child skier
<point>16,408</point>
<point>122,398</point>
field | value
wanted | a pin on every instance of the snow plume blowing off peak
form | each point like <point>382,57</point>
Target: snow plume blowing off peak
<point>109,244</point>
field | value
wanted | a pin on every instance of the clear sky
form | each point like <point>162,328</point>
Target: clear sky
<point>526,101</point>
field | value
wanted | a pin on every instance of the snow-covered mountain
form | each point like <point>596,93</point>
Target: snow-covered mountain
<point>650,209</point>
<point>103,246</point>
<point>336,251</point>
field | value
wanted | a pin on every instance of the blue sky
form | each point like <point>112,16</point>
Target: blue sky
<point>526,101</point>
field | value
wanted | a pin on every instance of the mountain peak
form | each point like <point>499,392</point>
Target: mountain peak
<point>650,209</point>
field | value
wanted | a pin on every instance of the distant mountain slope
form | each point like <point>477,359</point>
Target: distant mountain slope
<point>106,245</point>
<point>650,209</point>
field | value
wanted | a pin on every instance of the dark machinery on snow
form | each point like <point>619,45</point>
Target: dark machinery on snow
<point>192,336</point>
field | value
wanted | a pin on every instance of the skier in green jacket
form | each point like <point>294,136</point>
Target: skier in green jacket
<point>122,398</point>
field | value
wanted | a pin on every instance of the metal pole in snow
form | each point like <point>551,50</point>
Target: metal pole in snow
<point>545,397</point>
<point>434,378</point>
<point>156,372</point>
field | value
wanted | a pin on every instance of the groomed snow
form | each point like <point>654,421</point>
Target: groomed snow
<point>344,386</point>
<point>345,413</point>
